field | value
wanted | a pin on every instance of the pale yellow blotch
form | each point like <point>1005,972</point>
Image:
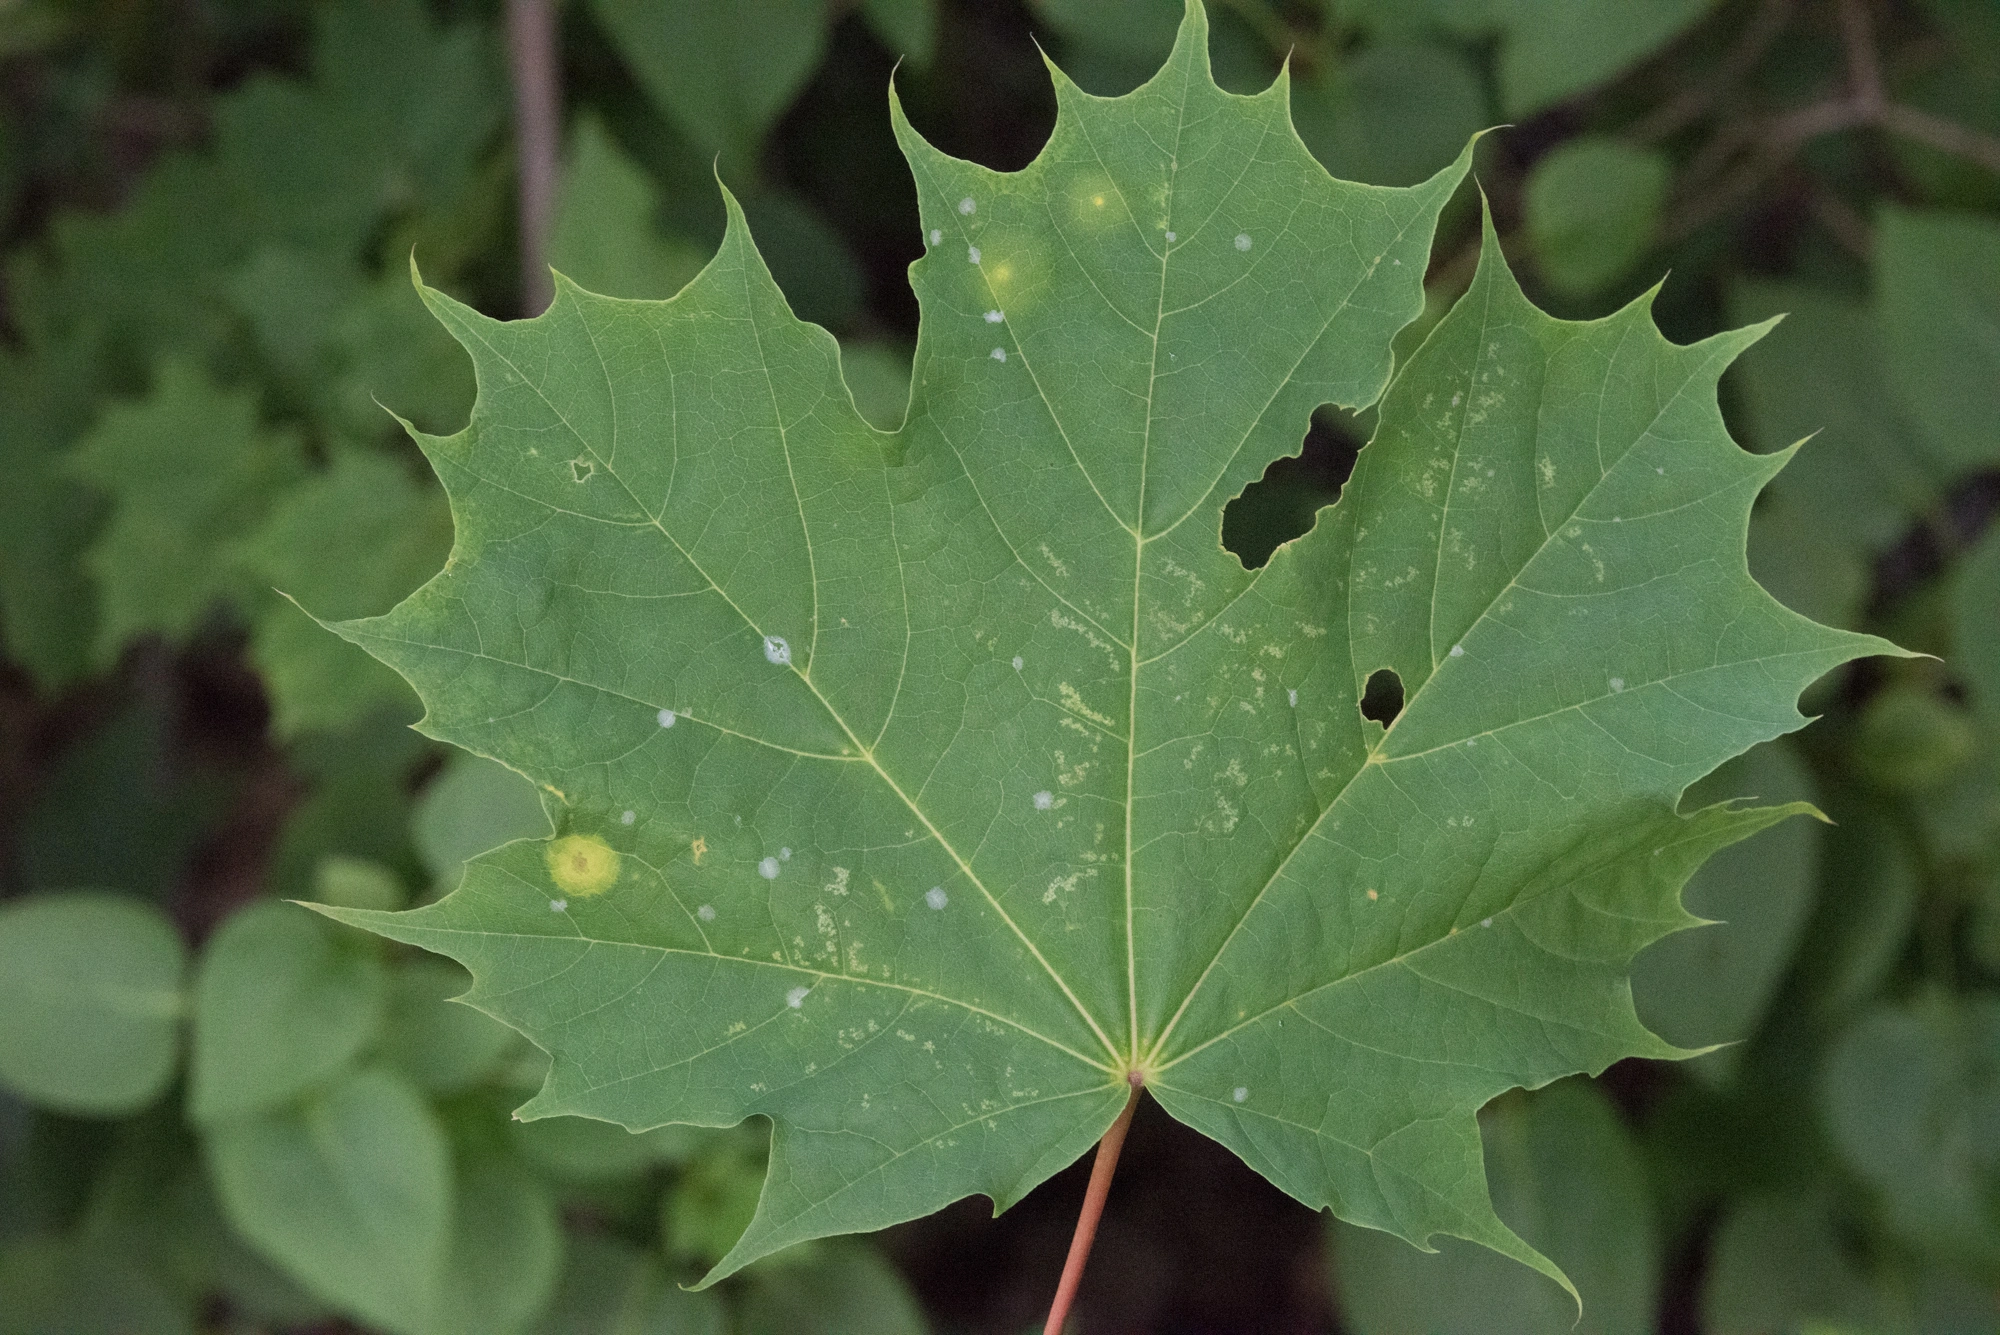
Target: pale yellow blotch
<point>698,847</point>
<point>582,864</point>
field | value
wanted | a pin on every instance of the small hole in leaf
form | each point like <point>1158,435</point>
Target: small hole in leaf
<point>1282,504</point>
<point>1382,700</point>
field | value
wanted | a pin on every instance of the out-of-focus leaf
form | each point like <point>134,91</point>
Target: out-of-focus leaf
<point>1592,207</point>
<point>906,27</point>
<point>1814,568</point>
<point>189,470</point>
<point>439,1044</point>
<point>809,259</point>
<point>350,1191</point>
<point>1975,609</point>
<point>840,1288</point>
<point>357,883</point>
<point>610,1287</point>
<point>505,1254</point>
<point>1938,291</point>
<point>347,541</point>
<point>47,518</point>
<point>358,802</point>
<point>384,351</point>
<point>583,1149</point>
<point>1866,909</point>
<point>1711,985</point>
<point>712,1201</point>
<point>392,118</point>
<point>280,1004</point>
<point>1911,1095</point>
<point>1393,114</point>
<point>1110,47</point>
<point>1551,49</point>
<point>473,805</point>
<point>878,375</point>
<point>1866,472</point>
<point>1781,1265</point>
<point>606,236</point>
<point>1564,1176</point>
<point>1911,740</point>
<point>90,992</point>
<point>721,72</point>
<point>64,1286</point>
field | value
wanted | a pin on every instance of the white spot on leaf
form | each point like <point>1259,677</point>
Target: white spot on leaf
<point>1243,241</point>
<point>994,317</point>
<point>1044,800</point>
<point>999,354</point>
<point>937,235</point>
<point>1458,651</point>
<point>776,650</point>
<point>936,897</point>
<point>1240,1093</point>
<point>1017,662</point>
<point>1172,237</point>
<point>628,818</point>
<point>666,717</point>
<point>1617,683</point>
<point>768,869</point>
<point>706,913</point>
<point>784,855</point>
<point>558,905</point>
<point>972,254</point>
<point>966,206</point>
<point>796,997</point>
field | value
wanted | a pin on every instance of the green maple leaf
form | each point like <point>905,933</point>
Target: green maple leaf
<point>914,790</point>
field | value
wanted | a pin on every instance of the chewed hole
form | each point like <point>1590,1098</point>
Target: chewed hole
<point>1382,699</point>
<point>1282,504</point>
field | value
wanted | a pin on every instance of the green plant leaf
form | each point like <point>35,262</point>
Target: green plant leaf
<point>1780,1264</point>
<point>1392,114</point>
<point>350,1191</point>
<point>91,988</point>
<point>1551,49</point>
<point>606,237</point>
<point>505,1256</point>
<point>916,791</point>
<point>1938,279</point>
<point>280,1004</point>
<point>1592,208</point>
<point>721,73</point>
<point>359,535</point>
<point>1565,1175</point>
<point>472,805</point>
<point>68,1286</point>
<point>1911,1095</point>
<point>1711,985</point>
<point>439,1045</point>
<point>610,1287</point>
<point>189,470</point>
<point>839,1289</point>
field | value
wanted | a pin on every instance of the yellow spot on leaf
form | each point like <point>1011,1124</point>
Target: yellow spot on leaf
<point>698,847</point>
<point>582,864</point>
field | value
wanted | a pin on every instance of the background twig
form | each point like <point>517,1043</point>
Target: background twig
<point>531,50</point>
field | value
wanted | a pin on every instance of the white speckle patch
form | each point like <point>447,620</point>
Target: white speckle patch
<point>628,818</point>
<point>994,317</point>
<point>1293,695</point>
<point>558,905</point>
<point>1617,683</point>
<point>937,235</point>
<point>768,869</point>
<point>1458,651</point>
<point>1486,922</point>
<point>972,254</point>
<point>1044,800</point>
<point>966,206</point>
<point>1243,241</point>
<point>936,897</point>
<point>706,913</point>
<point>796,997</point>
<point>1240,1093</point>
<point>1017,662</point>
<point>1172,237</point>
<point>776,650</point>
<point>784,855</point>
<point>667,717</point>
<point>999,354</point>
<point>1661,471</point>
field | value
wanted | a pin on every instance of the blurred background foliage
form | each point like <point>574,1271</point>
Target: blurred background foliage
<point>221,1114</point>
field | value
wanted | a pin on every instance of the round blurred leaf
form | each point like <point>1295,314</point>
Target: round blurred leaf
<point>610,1287</point>
<point>59,1286</point>
<point>878,375</point>
<point>349,1191</point>
<point>1592,208</point>
<point>605,237</point>
<point>282,1001</point>
<point>842,1287</point>
<point>1910,740</point>
<point>505,1253</point>
<point>1911,1096</point>
<point>474,804</point>
<point>90,985</point>
<point>583,1149</point>
<point>356,883</point>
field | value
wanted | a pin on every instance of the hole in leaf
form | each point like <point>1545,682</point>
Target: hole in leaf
<point>1382,699</point>
<point>1282,504</point>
